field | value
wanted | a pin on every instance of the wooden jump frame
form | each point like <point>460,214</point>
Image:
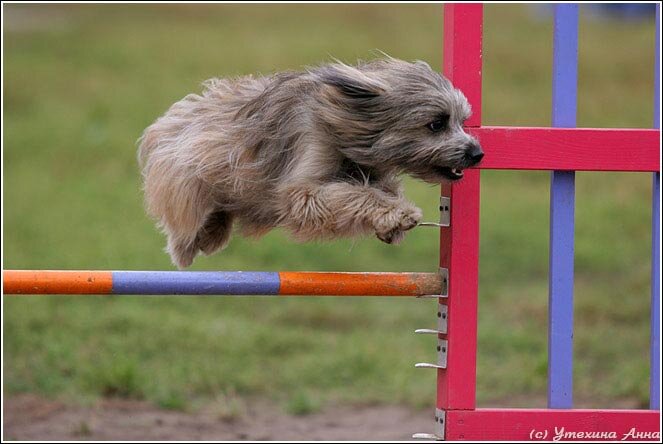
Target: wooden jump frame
<point>563,150</point>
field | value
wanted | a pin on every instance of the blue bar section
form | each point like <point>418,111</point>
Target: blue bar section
<point>196,282</point>
<point>655,354</point>
<point>562,213</point>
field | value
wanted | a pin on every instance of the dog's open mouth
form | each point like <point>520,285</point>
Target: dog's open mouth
<point>451,173</point>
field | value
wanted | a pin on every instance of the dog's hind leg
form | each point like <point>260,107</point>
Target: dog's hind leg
<point>215,233</point>
<point>182,250</point>
<point>183,208</point>
<point>210,237</point>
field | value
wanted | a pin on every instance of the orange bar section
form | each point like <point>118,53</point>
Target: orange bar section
<point>360,284</point>
<point>56,282</point>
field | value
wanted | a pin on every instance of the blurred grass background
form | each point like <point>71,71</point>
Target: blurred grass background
<point>82,82</point>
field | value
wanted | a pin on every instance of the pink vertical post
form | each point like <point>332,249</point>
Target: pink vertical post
<point>459,243</point>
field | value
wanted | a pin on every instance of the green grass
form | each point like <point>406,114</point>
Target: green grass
<point>82,82</point>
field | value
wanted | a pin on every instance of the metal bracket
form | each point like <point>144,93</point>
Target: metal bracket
<point>430,224</point>
<point>438,434</point>
<point>445,211</point>
<point>445,214</point>
<point>426,436</point>
<point>444,276</point>
<point>442,350</point>
<point>439,426</point>
<point>442,322</point>
<point>442,318</point>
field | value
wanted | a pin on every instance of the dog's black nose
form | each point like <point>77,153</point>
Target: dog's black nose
<point>474,154</point>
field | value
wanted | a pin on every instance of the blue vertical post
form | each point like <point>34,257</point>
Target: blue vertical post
<point>655,354</point>
<point>562,211</point>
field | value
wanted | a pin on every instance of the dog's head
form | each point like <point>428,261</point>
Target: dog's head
<point>390,114</point>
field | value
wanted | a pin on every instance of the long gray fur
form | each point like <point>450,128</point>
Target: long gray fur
<point>316,152</point>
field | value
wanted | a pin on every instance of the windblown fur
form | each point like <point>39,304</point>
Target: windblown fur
<point>316,152</point>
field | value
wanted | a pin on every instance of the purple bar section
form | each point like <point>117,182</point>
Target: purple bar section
<point>562,211</point>
<point>655,354</point>
<point>196,282</point>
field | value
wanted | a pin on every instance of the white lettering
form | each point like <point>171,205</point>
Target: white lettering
<point>634,434</point>
<point>562,434</point>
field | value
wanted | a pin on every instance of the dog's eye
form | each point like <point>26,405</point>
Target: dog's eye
<point>439,124</point>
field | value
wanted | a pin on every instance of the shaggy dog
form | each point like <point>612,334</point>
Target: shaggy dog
<point>316,152</point>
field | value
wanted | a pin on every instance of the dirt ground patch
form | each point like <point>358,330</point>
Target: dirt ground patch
<point>30,417</point>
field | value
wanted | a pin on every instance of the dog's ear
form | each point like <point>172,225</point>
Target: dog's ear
<point>353,88</point>
<point>351,82</point>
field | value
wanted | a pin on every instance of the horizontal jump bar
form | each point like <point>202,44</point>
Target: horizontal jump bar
<point>220,283</point>
<point>552,424</point>
<point>571,149</point>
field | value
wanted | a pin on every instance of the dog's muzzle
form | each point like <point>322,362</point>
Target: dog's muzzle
<point>471,157</point>
<point>473,154</point>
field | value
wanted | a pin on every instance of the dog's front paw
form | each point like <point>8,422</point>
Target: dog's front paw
<point>391,226</point>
